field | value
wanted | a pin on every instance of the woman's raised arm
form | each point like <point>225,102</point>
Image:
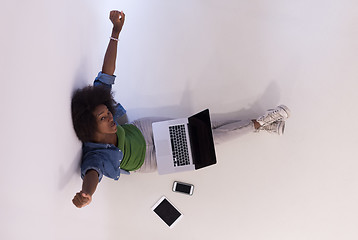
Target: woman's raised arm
<point>109,63</point>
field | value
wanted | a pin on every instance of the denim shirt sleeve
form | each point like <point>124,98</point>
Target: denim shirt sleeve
<point>105,80</point>
<point>92,163</point>
<point>105,159</point>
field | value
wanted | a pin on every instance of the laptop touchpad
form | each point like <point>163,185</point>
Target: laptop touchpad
<point>162,148</point>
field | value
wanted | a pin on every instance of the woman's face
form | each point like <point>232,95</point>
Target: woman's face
<point>104,118</point>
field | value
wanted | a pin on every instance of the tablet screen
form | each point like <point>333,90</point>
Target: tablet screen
<point>166,211</point>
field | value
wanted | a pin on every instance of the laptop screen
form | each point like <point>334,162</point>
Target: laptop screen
<point>201,140</point>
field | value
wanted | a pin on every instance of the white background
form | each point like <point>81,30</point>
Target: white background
<point>175,58</point>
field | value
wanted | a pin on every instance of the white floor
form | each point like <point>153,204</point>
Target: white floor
<point>175,58</point>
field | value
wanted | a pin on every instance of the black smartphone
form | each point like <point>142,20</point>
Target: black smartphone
<point>185,188</point>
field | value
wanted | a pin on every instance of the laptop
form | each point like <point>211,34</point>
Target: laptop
<point>184,144</point>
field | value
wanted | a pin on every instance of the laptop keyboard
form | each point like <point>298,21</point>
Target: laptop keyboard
<point>179,145</point>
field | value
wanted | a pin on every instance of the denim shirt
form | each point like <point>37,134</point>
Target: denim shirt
<point>105,80</point>
<point>103,158</point>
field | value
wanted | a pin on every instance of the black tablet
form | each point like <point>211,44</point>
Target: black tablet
<point>167,212</point>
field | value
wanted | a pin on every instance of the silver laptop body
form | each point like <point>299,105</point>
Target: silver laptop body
<point>184,144</point>
<point>166,162</point>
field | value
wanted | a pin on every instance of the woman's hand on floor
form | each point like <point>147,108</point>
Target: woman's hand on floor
<point>82,199</point>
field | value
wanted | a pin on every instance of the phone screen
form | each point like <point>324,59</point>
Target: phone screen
<point>183,188</point>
